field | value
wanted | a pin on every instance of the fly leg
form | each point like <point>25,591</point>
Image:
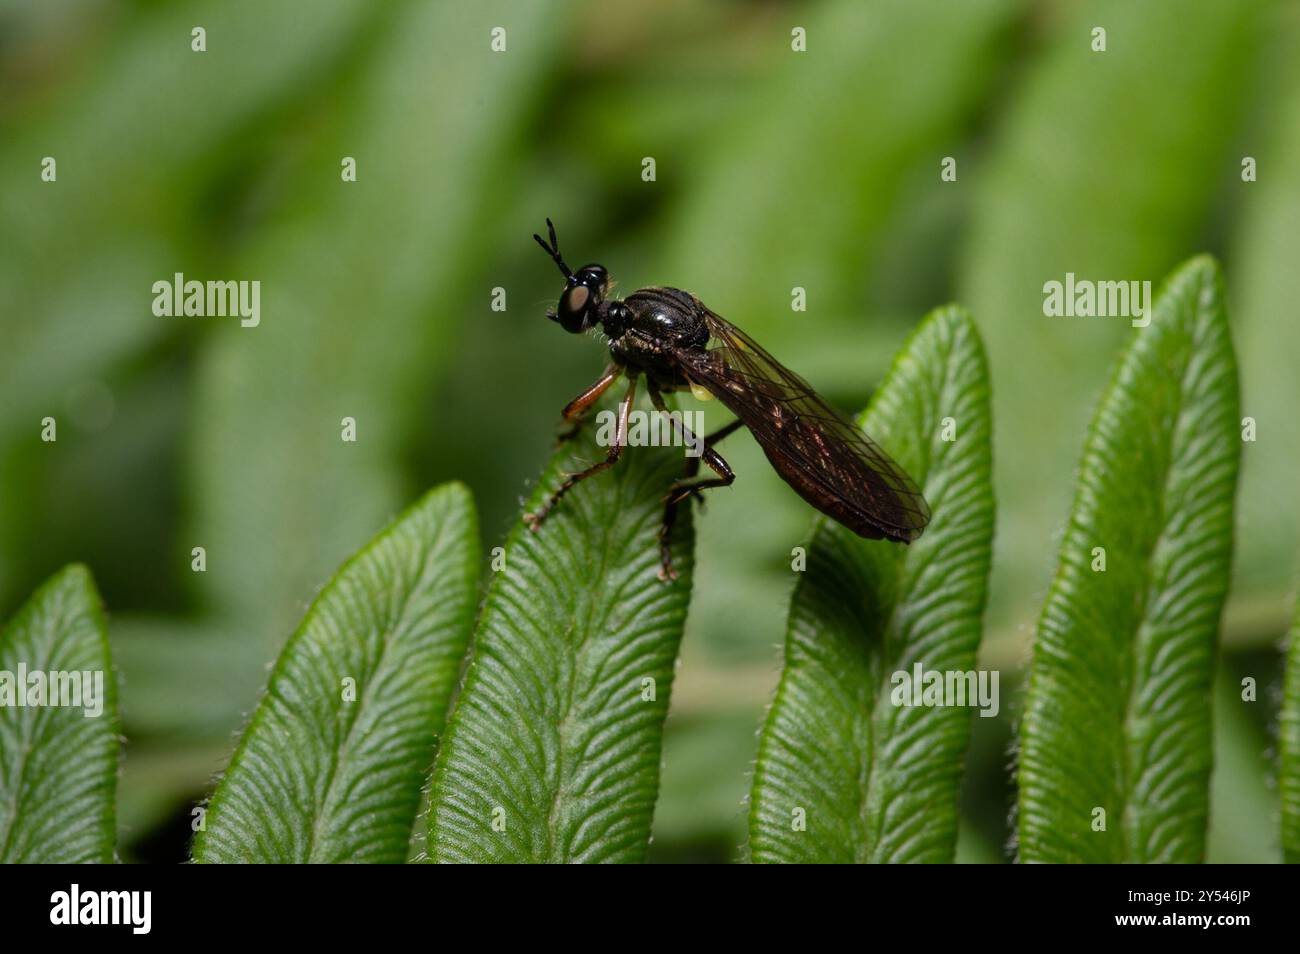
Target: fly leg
<point>687,486</point>
<point>577,409</point>
<point>534,520</point>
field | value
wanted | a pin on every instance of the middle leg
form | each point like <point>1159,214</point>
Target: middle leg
<point>687,486</point>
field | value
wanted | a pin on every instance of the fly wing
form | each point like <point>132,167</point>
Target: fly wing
<point>788,418</point>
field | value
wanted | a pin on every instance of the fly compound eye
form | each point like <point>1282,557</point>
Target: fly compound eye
<point>573,307</point>
<point>576,299</point>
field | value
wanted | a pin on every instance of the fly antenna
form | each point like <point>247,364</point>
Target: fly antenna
<point>553,249</point>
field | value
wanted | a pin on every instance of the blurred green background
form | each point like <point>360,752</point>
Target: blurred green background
<point>775,169</point>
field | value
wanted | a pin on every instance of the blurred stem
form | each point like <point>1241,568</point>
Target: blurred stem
<point>705,685</point>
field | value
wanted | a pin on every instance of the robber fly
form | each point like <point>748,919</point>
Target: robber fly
<point>677,343</point>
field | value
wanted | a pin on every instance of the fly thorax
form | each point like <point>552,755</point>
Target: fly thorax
<point>615,320</point>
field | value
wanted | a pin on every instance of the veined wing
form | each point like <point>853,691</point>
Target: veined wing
<point>798,430</point>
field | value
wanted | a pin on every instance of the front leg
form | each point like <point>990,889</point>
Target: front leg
<point>534,520</point>
<point>577,409</point>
